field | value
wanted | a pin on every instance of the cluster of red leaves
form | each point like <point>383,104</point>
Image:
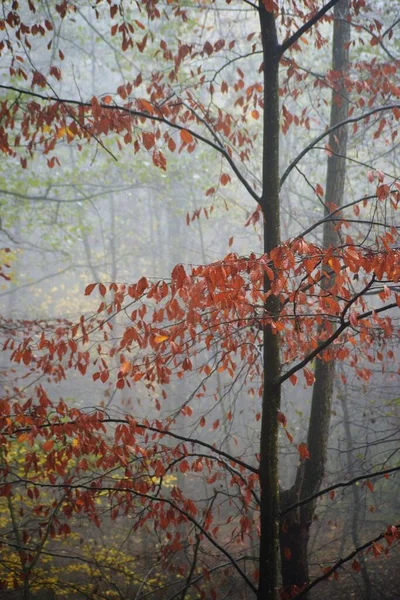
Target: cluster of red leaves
<point>220,309</point>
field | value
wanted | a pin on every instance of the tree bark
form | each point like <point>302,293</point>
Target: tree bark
<point>295,530</point>
<point>356,509</point>
<point>269,509</point>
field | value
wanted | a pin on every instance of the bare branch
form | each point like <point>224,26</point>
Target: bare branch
<point>330,130</point>
<point>341,484</point>
<point>304,28</point>
<point>339,563</point>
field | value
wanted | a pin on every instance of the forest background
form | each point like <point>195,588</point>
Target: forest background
<point>185,165</point>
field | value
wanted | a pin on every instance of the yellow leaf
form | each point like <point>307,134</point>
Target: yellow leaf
<point>160,338</point>
<point>75,442</point>
<point>64,131</point>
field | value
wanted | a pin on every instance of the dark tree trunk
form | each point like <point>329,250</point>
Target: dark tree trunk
<point>295,530</point>
<point>269,509</point>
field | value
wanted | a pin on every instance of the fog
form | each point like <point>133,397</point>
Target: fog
<point>107,214</point>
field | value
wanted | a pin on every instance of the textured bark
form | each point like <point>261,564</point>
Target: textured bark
<point>295,530</point>
<point>269,509</point>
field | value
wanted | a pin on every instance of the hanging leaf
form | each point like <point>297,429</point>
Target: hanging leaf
<point>186,136</point>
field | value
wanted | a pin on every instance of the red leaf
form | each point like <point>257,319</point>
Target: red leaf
<point>149,140</point>
<point>171,145</point>
<point>303,451</point>
<point>281,418</point>
<point>225,179</point>
<point>89,288</point>
<point>309,377</point>
<point>287,553</point>
<point>355,565</point>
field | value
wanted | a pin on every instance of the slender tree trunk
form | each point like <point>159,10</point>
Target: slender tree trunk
<point>295,531</point>
<point>355,491</point>
<point>269,540</point>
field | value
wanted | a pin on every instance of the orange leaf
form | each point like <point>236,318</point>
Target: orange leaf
<point>186,136</point>
<point>47,446</point>
<point>160,338</point>
<point>89,288</point>
<point>125,367</point>
<point>145,105</point>
<point>289,437</point>
<point>255,114</point>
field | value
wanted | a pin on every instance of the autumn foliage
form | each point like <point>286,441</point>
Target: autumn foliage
<point>205,321</point>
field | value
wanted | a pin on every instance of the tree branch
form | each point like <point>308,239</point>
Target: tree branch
<point>334,212</point>
<point>91,488</point>
<point>339,563</point>
<point>155,430</point>
<point>327,132</point>
<point>329,341</point>
<point>304,28</point>
<point>341,484</point>
<point>144,115</point>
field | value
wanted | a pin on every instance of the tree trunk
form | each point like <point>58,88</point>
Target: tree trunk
<point>295,530</point>
<point>269,509</point>
<point>356,508</point>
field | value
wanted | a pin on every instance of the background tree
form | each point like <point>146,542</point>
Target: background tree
<point>298,302</point>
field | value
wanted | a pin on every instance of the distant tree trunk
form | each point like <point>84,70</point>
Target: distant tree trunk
<point>295,530</point>
<point>356,497</point>
<point>269,509</point>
